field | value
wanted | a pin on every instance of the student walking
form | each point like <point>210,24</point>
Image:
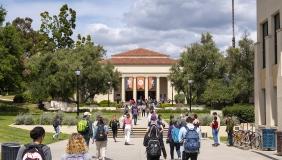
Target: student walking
<point>196,121</point>
<point>153,143</point>
<point>76,148</point>
<point>127,126</point>
<point>114,124</point>
<point>134,112</point>
<point>35,150</point>
<point>172,137</point>
<point>100,137</point>
<point>229,129</point>
<point>57,128</point>
<point>84,127</point>
<point>143,107</point>
<point>214,126</point>
<point>190,136</point>
<point>218,120</point>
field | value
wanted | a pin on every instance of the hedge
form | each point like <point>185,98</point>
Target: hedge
<point>179,98</point>
<point>244,112</point>
<point>164,105</point>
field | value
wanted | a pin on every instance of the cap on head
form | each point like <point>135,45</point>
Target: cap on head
<point>86,114</point>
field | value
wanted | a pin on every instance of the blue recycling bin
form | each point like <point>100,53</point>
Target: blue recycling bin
<point>268,139</point>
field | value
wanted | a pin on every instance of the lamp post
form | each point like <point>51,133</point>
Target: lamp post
<point>109,83</point>
<point>190,99</point>
<point>77,73</point>
<point>172,93</point>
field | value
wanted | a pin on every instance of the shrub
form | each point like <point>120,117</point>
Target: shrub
<point>46,119</point>
<point>245,113</point>
<point>205,119</point>
<point>69,120</point>
<point>28,119</point>
<point>18,98</point>
<point>6,108</point>
<point>179,98</point>
<point>164,105</point>
<point>28,97</point>
<point>20,119</point>
<point>104,103</point>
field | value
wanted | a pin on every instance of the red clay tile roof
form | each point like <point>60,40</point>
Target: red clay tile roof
<point>140,52</point>
<point>140,57</point>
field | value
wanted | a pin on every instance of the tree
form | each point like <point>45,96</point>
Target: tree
<point>59,27</point>
<point>198,62</point>
<point>53,73</point>
<point>3,14</point>
<point>218,91</point>
<point>240,62</point>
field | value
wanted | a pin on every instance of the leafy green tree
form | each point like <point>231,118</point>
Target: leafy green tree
<point>59,27</point>
<point>218,91</point>
<point>3,14</point>
<point>199,62</point>
<point>240,62</point>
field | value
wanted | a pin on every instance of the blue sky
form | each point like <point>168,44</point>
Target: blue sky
<point>163,25</point>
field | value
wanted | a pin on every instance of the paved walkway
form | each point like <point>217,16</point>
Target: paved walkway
<point>136,151</point>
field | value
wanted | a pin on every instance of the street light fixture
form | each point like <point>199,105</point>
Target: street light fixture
<point>172,93</point>
<point>77,73</point>
<point>190,87</point>
<point>109,83</point>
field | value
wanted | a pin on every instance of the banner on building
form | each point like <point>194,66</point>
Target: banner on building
<point>129,83</point>
<point>152,83</point>
<point>140,85</point>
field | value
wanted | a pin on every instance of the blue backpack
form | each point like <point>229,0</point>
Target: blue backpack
<point>174,134</point>
<point>192,141</point>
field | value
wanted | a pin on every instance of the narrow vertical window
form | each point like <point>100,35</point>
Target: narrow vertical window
<point>276,27</point>
<point>264,34</point>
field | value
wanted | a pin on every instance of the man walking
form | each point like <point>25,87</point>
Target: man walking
<point>190,136</point>
<point>135,112</point>
<point>114,124</point>
<point>100,136</point>
<point>35,150</point>
<point>84,127</point>
<point>229,129</point>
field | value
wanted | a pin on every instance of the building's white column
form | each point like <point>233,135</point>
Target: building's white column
<point>279,80</point>
<point>269,90</point>
<point>123,89</point>
<point>146,88</point>
<point>112,95</point>
<point>169,89</point>
<point>258,89</point>
<point>158,89</point>
<point>134,89</point>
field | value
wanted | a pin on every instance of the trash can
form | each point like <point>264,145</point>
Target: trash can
<point>9,151</point>
<point>279,142</point>
<point>268,139</point>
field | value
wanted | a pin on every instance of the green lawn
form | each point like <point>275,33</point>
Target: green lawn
<point>10,134</point>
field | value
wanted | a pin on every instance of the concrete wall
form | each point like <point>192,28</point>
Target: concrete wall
<point>268,80</point>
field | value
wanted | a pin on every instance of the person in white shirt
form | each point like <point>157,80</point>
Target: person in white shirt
<point>181,137</point>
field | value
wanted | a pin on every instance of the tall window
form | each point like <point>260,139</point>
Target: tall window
<point>276,27</point>
<point>264,34</point>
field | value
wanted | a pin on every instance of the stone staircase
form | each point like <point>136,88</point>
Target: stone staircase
<point>136,133</point>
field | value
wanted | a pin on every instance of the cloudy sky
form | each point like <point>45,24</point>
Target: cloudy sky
<point>163,25</point>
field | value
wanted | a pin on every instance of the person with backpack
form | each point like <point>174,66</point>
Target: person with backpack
<point>84,127</point>
<point>190,136</point>
<point>172,136</point>
<point>155,122</point>
<point>76,148</point>
<point>35,149</point>
<point>127,127</point>
<point>134,112</point>
<point>153,143</point>
<point>100,137</point>
<point>57,128</point>
<point>114,124</point>
<point>214,126</point>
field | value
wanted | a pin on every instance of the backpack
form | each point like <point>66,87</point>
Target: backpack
<point>135,111</point>
<point>174,134</point>
<point>33,152</point>
<point>75,157</point>
<point>192,141</point>
<point>82,126</point>
<point>154,146</point>
<point>100,133</point>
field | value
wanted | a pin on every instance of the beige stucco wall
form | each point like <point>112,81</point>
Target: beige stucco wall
<point>268,81</point>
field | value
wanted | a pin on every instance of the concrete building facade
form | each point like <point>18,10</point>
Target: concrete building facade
<point>144,75</point>
<point>268,71</point>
